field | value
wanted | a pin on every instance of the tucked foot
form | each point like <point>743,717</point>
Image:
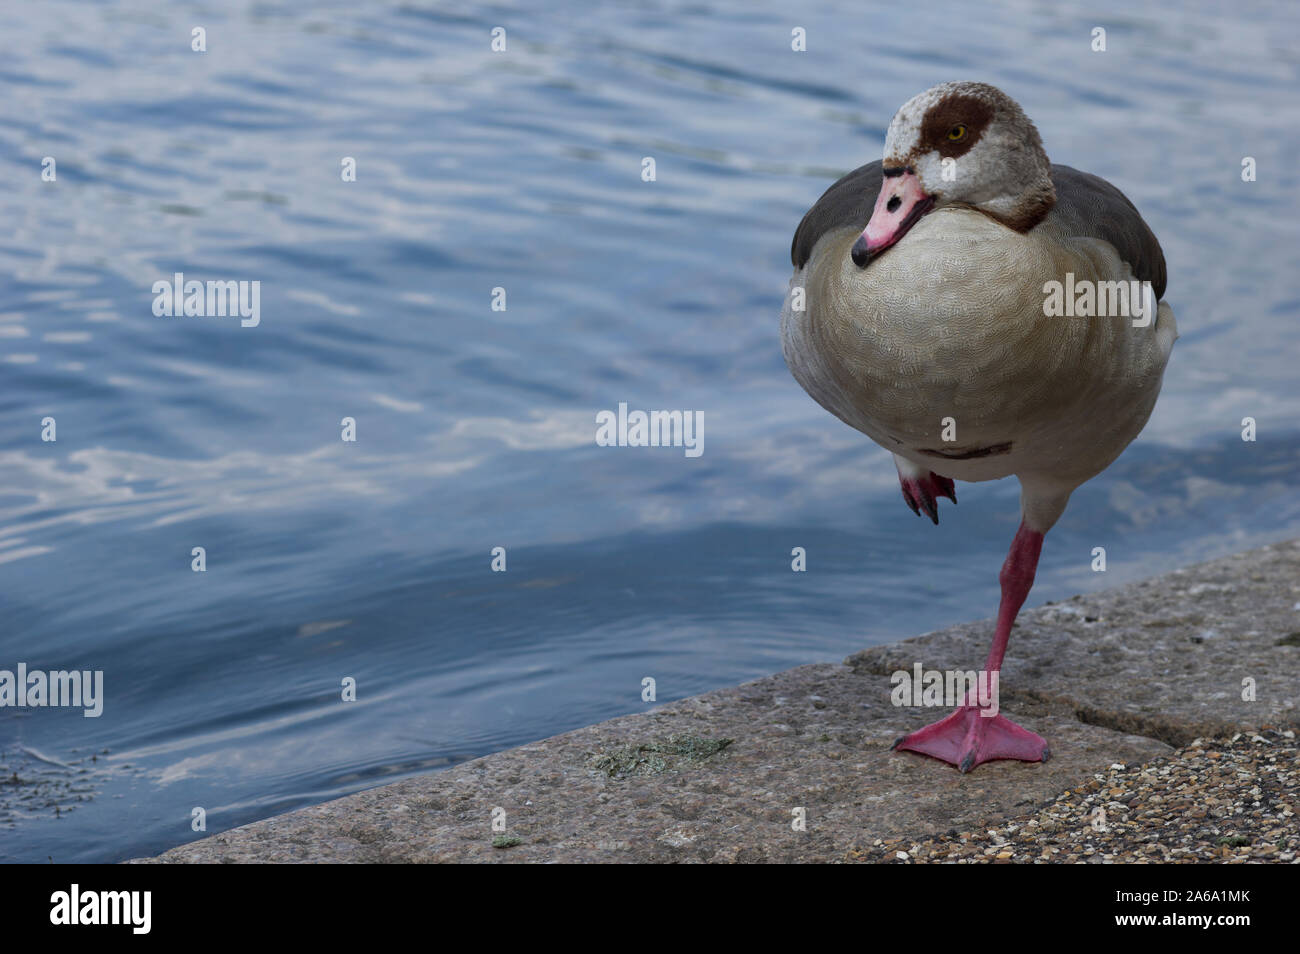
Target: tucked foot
<point>922,492</point>
<point>967,739</point>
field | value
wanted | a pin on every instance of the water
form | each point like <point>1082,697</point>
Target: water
<point>521,170</point>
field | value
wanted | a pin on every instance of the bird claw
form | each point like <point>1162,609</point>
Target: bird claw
<point>922,493</point>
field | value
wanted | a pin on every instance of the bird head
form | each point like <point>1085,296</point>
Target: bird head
<point>966,145</point>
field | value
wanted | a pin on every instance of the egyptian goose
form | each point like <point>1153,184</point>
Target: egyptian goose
<point>931,321</point>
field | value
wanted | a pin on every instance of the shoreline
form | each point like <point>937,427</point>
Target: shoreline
<point>1153,673</point>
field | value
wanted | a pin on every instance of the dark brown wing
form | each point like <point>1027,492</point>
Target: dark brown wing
<point>1092,206</point>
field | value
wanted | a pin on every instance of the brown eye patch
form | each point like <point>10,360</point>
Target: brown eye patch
<point>952,112</point>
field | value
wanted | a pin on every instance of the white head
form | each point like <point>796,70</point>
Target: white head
<point>959,144</point>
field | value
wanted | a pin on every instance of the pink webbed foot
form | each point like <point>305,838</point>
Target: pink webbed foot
<point>967,739</point>
<point>922,492</point>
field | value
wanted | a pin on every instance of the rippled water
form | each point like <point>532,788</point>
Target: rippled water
<point>522,170</point>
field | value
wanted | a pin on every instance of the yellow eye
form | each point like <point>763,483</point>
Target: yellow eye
<point>957,132</point>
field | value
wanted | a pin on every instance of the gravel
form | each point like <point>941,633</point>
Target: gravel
<point>1231,800</point>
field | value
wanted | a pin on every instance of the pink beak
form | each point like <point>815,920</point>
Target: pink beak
<point>899,206</point>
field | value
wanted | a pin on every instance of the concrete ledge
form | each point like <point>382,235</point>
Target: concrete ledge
<point>1123,676</point>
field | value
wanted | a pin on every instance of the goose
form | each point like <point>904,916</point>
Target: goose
<point>925,311</point>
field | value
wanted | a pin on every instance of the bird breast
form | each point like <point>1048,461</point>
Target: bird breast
<point>945,335</point>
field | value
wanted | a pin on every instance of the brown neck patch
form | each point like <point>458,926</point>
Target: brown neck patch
<point>953,110</point>
<point>1033,208</point>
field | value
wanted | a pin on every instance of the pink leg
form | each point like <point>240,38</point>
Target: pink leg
<point>966,738</point>
<point>923,492</point>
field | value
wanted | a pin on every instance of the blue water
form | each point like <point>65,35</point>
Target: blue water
<point>522,170</point>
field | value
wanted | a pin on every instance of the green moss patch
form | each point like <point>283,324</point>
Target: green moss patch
<point>658,755</point>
